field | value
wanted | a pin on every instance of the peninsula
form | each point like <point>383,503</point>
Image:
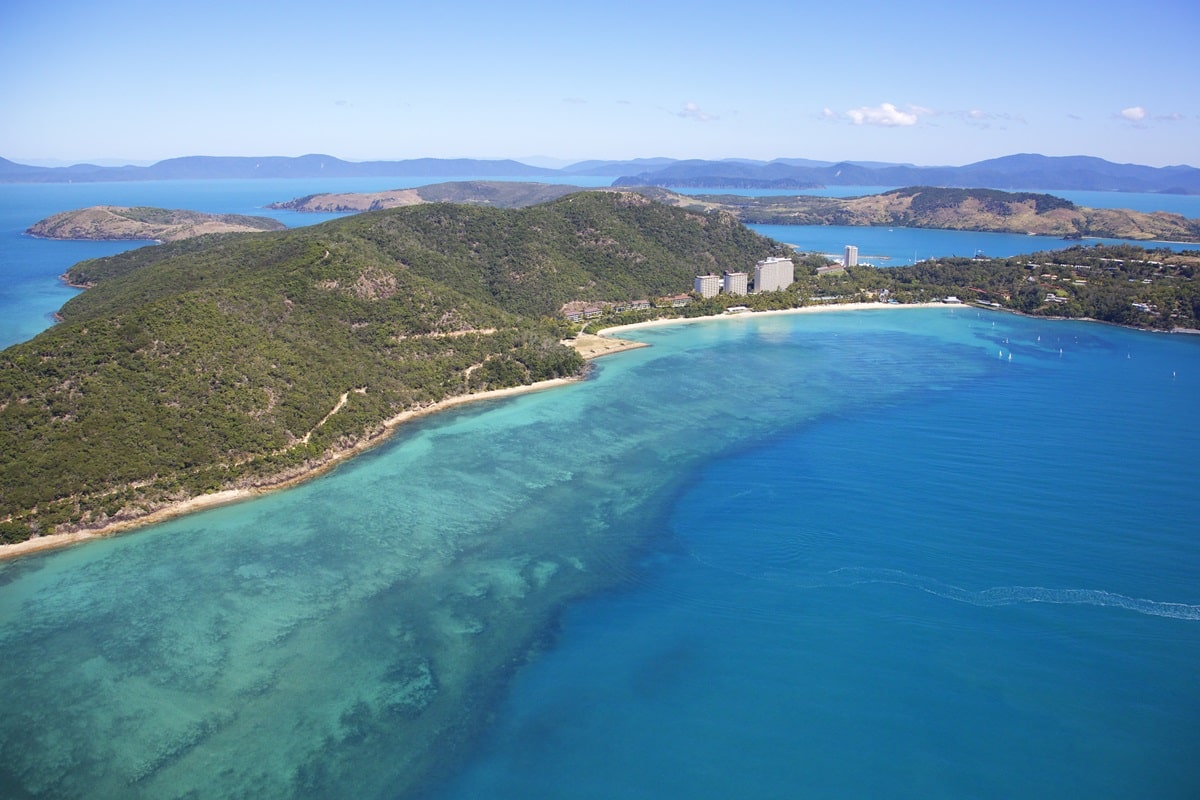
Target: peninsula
<point>214,367</point>
<point>242,362</point>
<point>145,223</point>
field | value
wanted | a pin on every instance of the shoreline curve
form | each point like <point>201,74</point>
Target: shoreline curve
<point>590,346</point>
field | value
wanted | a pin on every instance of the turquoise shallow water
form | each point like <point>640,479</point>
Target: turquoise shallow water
<point>909,553</point>
<point>839,554</point>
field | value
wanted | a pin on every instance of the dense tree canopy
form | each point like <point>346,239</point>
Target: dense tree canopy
<point>231,360</point>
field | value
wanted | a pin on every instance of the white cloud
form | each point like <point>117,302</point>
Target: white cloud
<point>694,112</point>
<point>886,114</point>
<point>1134,113</point>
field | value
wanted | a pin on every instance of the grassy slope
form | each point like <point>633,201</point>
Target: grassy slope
<point>143,222</point>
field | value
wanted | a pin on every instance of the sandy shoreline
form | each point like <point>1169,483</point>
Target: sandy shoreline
<point>590,346</point>
<point>756,314</point>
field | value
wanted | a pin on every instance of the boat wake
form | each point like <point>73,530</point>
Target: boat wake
<point>990,597</point>
<point>1012,595</point>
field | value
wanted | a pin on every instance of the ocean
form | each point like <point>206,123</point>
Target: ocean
<point>904,552</point>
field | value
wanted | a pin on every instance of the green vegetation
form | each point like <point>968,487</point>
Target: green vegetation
<point>1122,284</point>
<point>242,360</point>
<point>235,361</point>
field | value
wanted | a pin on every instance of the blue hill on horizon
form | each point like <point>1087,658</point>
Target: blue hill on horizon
<point>1019,171</point>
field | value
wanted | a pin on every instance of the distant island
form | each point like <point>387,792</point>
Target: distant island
<point>145,223</point>
<point>1026,171</point>
<point>499,194</point>
<point>982,210</point>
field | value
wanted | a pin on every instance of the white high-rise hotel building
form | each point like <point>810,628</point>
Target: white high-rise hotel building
<point>707,285</point>
<point>774,274</point>
<point>851,259</point>
<point>735,283</point>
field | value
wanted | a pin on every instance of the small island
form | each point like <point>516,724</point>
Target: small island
<point>142,223</point>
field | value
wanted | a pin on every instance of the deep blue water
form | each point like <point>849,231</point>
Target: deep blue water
<point>985,586</point>
<point>926,553</point>
<point>896,247</point>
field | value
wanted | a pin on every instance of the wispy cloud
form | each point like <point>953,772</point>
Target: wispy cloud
<point>979,118</point>
<point>694,112</point>
<point>889,115</point>
<point>1133,113</point>
<point>574,101</point>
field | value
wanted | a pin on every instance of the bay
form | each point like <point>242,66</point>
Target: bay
<point>898,246</point>
<point>838,553</point>
<point>907,552</point>
<point>963,591</point>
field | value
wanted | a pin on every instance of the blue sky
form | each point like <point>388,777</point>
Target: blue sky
<point>925,83</point>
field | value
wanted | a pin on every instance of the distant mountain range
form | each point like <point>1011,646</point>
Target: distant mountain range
<point>1025,171</point>
<point>311,166</point>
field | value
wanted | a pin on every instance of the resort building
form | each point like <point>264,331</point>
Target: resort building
<point>677,301</point>
<point>736,283</point>
<point>774,274</point>
<point>708,285</point>
<point>851,257</point>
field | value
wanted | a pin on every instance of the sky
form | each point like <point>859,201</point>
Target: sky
<point>928,83</point>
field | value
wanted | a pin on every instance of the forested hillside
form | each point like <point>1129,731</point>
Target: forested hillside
<point>232,360</point>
